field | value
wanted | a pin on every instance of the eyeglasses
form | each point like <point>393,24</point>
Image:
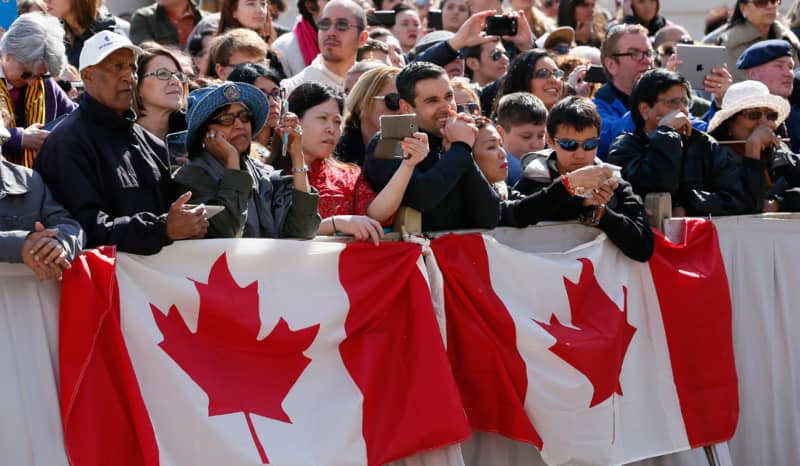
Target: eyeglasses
<point>764,3</point>
<point>498,54</point>
<point>636,55</point>
<point>675,102</point>
<point>227,119</point>
<point>543,73</point>
<point>391,100</point>
<point>277,93</point>
<point>571,145</point>
<point>469,107</point>
<point>163,74</point>
<point>755,115</point>
<point>340,25</point>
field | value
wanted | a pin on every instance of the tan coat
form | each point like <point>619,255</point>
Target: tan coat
<point>741,36</point>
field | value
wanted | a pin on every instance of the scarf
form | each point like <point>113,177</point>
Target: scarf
<point>34,112</point>
<point>307,39</point>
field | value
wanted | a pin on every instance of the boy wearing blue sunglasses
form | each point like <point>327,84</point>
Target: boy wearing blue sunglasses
<point>568,182</point>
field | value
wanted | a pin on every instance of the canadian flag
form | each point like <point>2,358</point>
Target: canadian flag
<point>589,356</point>
<point>242,352</point>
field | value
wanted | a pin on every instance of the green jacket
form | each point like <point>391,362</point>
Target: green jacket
<point>259,202</point>
<point>151,23</point>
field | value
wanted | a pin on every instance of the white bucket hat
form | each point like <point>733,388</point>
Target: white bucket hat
<point>748,94</point>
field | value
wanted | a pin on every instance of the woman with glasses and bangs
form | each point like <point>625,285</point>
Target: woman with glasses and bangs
<point>746,128</point>
<point>569,182</point>
<point>752,21</point>
<point>665,154</point>
<point>534,71</point>
<point>373,95</point>
<point>161,91</point>
<point>257,201</point>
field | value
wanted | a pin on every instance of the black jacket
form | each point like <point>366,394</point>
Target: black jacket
<point>447,187</point>
<point>624,222</point>
<point>775,176</point>
<point>655,25</point>
<point>152,23</point>
<point>350,147</point>
<point>112,175</point>
<point>700,177</point>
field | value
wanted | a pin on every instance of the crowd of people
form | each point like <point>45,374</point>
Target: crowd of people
<point>185,124</point>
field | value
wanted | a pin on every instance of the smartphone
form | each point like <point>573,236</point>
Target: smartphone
<point>501,25</point>
<point>435,20</point>
<point>211,210</point>
<point>383,18</point>
<point>176,145</point>
<point>393,129</point>
<point>595,75</point>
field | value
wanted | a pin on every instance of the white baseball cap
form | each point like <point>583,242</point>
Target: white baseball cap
<point>103,44</point>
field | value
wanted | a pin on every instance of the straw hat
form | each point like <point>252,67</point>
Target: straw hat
<point>748,94</point>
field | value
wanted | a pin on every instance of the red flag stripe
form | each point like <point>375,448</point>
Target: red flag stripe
<point>693,294</point>
<point>395,354</point>
<point>103,414</point>
<point>482,341</point>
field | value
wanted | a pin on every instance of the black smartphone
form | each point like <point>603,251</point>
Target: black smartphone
<point>595,75</point>
<point>176,145</point>
<point>383,18</point>
<point>435,20</point>
<point>501,25</point>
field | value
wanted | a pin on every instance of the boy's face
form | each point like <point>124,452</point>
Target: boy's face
<point>521,139</point>
<point>572,160</point>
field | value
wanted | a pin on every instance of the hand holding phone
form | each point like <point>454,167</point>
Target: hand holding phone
<point>394,128</point>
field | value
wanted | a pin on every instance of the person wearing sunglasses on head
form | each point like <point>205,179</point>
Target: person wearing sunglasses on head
<point>486,63</point>
<point>745,127</point>
<point>342,30</point>
<point>161,91</point>
<point>568,182</point>
<point>665,154</point>
<point>32,52</point>
<point>752,21</point>
<point>373,95</point>
<point>258,201</point>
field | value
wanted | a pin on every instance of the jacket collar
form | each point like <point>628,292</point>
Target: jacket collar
<point>104,116</point>
<point>11,182</point>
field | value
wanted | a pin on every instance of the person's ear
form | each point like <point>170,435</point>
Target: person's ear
<point>501,131</point>
<point>87,75</point>
<point>644,110</point>
<point>219,69</point>
<point>405,107</point>
<point>610,64</point>
<point>550,143</point>
<point>362,38</point>
<point>472,63</point>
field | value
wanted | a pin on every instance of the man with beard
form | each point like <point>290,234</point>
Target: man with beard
<point>110,173</point>
<point>447,187</point>
<point>342,30</point>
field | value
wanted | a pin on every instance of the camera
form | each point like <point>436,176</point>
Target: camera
<point>501,25</point>
<point>383,18</point>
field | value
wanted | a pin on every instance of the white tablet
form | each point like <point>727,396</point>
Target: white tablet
<point>211,210</point>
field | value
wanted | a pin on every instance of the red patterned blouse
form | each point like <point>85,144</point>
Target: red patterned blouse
<point>343,190</point>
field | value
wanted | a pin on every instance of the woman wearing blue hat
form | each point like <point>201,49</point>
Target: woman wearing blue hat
<point>258,201</point>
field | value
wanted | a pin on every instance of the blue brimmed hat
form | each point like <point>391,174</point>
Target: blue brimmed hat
<point>204,102</point>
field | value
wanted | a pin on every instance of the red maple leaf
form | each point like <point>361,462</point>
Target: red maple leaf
<point>597,348</point>
<point>238,372</point>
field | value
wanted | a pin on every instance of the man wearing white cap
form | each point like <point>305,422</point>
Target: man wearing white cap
<point>112,175</point>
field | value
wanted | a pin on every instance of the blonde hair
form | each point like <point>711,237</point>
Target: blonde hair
<point>464,84</point>
<point>360,99</point>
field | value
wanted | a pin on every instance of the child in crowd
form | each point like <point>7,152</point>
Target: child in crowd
<point>521,119</point>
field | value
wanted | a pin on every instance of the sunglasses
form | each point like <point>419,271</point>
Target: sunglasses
<point>755,115</point>
<point>163,74</point>
<point>571,145</point>
<point>469,107</point>
<point>561,49</point>
<point>543,73</point>
<point>227,119</point>
<point>340,25</point>
<point>391,100</point>
<point>764,3</point>
<point>498,54</point>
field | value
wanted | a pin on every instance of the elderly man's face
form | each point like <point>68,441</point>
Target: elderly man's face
<point>111,81</point>
<point>21,74</point>
<point>777,75</point>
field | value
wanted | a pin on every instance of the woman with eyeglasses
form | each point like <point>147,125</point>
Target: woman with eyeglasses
<point>348,204</point>
<point>373,95</point>
<point>258,201</point>
<point>569,182</point>
<point>665,154</point>
<point>746,128</point>
<point>534,71</point>
<point>161,91</point>
<point>589,24</point>
<point>752,21</point>
<point>268,82</point>
<point>465,97</point>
